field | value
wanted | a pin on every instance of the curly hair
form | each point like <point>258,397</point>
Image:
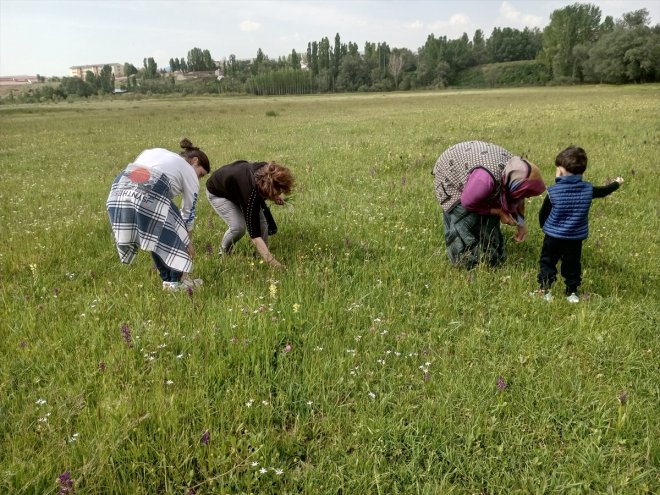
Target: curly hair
<point>273,179</point>
<point>190,151</point>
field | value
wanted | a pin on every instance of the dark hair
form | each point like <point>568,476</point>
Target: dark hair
<point>190,151</point>
<point>573,159</point>
<point>273,179</point>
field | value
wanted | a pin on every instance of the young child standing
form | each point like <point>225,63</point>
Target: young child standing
<point>564,218</point>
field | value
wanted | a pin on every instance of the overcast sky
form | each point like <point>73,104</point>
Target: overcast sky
<point>46,37</point>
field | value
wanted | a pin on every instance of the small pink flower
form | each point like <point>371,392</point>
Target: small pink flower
<point>288,348</point>
<point>126,335</point>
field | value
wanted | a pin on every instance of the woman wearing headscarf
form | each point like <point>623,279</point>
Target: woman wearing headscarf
<point>143,214</point>
<point>479,185</point>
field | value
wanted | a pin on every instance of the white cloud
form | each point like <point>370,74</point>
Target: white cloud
<point>509,14</point>
<point>416,25</point>
<point>249,26</point>
<point>456,20</point>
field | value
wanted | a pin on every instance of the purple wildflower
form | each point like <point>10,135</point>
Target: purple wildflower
<point>206,437</point>
<point>126,335</point>
<point>288,348</point>
<point>623,397</point>
<point>66,483</point>
<point>101,367</point>
<point>501,384</point>
<point>189,290</point>
<point>209,249</point>
<point>23,344</point>
<point>190,492</point>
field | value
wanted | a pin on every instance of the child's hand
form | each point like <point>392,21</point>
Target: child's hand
<point>619,180</point>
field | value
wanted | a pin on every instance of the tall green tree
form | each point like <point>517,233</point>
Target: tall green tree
<point>200,60</point>
<point>637,18</point>
<point>294,60</point>
<point>106,79</point>
<point>479,54</point>
<point>577,24</point>
<point>232,66</point>
<point>508,44</point>
<point>628,53</point>
<point>336,56</point>
<point>91,79</point>
<point>259,62</point>
<point>353,73</point>
<point>324,53</point>
<point>76,86</point>
<point>314,63</point>
<point>150,68</point>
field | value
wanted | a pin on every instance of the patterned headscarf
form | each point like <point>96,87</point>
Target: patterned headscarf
<point>521,179</point>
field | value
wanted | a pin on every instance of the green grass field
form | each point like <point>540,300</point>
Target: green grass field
<point>368,365</point>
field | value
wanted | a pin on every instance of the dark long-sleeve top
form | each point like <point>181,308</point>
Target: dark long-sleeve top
<point>236,183</point>
<point>598,192</point>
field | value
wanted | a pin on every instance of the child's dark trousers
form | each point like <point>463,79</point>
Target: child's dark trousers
<point>569,252</point>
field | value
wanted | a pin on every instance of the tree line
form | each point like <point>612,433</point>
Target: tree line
<point>577,46</point>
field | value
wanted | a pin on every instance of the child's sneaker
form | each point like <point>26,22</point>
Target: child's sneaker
<point>573,298</point>
<point>545,294</point>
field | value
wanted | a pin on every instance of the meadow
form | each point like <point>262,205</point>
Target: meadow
<point>368,365</point>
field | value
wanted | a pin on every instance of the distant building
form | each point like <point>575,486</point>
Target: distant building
<point>81,70</point>
<point>16,80</point>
